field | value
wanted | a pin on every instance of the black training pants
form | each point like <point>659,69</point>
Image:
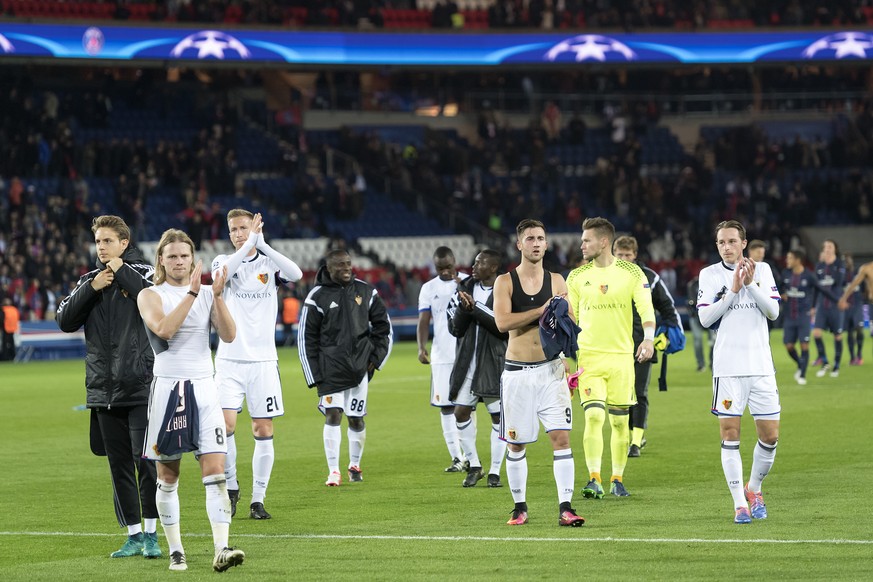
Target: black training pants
<point>639,413</point>
<point>123,430</point>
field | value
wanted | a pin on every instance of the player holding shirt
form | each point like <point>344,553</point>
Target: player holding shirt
<point>737,296</point>
<point>247,369</point>
<point>177,313</point>
<point>433,301</point>
<point>603,294</point>
<point>533,389</point>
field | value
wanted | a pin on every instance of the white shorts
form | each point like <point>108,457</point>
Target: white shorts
<point>467,398</point>
<point>255,382</point>
<point>440,376</point>
<point>212,438</point>
<point>353,401</point>
<point>731,395</point>
<point>534,393</point>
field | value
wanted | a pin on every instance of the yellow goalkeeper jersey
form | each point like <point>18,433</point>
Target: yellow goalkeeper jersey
<point>603,299</point>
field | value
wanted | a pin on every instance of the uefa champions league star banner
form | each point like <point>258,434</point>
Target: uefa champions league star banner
<point>129,43</point>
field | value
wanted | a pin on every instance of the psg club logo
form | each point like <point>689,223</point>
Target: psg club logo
<point>210,43</point>
<point>5,45</point>
<point>93,40</point>
<point>588,47</point>
<point>840,46</point>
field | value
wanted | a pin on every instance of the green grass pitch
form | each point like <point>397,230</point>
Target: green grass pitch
<point>410,520</point>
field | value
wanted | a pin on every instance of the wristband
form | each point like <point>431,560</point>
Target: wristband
<point>192,294</point>
<point>649,333</point>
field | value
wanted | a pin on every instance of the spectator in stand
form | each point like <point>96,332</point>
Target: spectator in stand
<point>10,329</point>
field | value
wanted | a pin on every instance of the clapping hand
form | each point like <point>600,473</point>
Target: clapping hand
<point>194,281</point>
<point>219,281</point>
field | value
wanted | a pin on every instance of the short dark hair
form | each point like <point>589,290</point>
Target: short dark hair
<point>491,254</point>
<point>526,224</point>
<point>731,224</point>
<point>757,244</point>
<point>601,225</point>
<point>799,254</point>
<point>443,252</point>
<point>333,254</point>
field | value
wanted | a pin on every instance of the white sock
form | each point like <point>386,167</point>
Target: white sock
<point>516,474</point>
<point>167,500</point>
<point>218,509</point>
<point>564,469</point>
<point>498,450</point>
<point>332,437</point>
<point>762,462</point>
<point>467,438</point>
<point>134,529</point>
<point>450,434</point>
<point>150,524</point>
<point>356,445</point>
<point>230,462</point>
<point>262,466</point>
<point>732,465</point>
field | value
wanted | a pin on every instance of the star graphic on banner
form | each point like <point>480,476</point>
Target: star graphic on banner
<point>851,45</point>
<point>844,44</point>
<point>590,46</point>
<point>211,43</point>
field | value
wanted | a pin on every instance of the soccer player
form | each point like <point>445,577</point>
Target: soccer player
<point>798,292</point>
<point>345,336</point>
<point>831,274</point>
<point>737,296</point>
<point>853,316</point>
<point>757,250</point>
<point>478,364</point>
<point>626,249</point>
<point>603,294</point>
<point>865,277</point>
<point>433,300</point>
<point>118,374</point>
<point>177,313</point>
<point>533,389</point>
<point>247,369</point>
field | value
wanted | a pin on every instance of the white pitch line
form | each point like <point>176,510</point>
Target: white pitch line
<point>466,538</point>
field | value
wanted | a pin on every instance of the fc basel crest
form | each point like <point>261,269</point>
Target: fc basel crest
<point>263,277</point>
<point>604,289</point>
<point>727,404</point>
<point>328,399</point>
<point>358,299</point>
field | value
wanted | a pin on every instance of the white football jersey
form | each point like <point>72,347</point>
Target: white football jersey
<point>434,297</point>
<point>187,354</point>
<point>251,295</point>
<point>742,341</point>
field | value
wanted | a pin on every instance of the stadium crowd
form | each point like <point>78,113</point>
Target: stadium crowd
<point>52,151</point>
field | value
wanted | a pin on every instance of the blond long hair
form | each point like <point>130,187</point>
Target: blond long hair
<point>172,235</point>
